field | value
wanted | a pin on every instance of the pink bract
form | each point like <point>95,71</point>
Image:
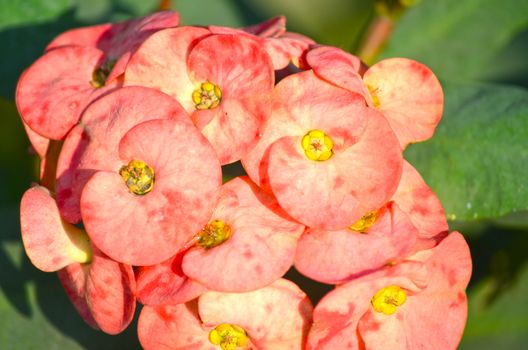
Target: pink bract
<point>92,145</point>
<point>261,248</point>
<point>103,292</point>
<point>360,176</point>
<point>432,317</point>
<point>234,63</point>
<point>405,91</point>
<point>148,229</point>
<point>274,317</point>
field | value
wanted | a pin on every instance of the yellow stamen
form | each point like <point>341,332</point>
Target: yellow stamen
<point>387,299</point>
<point>100,75</point>
<point>317,145</point>
<point>213,234</point>
<point>366,222</point>
<point>228,336</point>
<point>138,176</point>
<point>207,96</point>
<point>374,94</point>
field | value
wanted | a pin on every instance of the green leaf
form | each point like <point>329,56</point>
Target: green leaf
<point>458,39</point>
<point>477,161</point>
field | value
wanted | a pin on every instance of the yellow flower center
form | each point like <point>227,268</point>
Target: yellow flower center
<point>207,96</point>
<point>213,234</point>
<point>228,336</point>
<point>317,145</point>
<point>138,176</point>
<point>366,222</point>
<point>387,299</point>
<point>102,72</point>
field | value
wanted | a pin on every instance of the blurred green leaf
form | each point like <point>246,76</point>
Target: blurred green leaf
<point>458,39</point>
<point>217,12</point>
<point>477,161</point>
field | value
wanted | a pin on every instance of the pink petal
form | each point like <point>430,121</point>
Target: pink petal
<point>39,143</point>
<point>172,327</point>
<point>272,28</point>
<point>335,193</point>
<point>50,243</point>
<point>51,93</point>
<point>110,293</point>
<point>275,317</point>
<point>334,256</point>
<point>160,63</point>
<point>338,67</point>
<point>85,36</point>
<point>244,73</point>
<point>415,198</point>
<point>73,279</point>
<point>166,283</point>
<point>409,95</point>
<point>148,229</point>
<point>93,145</point>
<point>263,238</point>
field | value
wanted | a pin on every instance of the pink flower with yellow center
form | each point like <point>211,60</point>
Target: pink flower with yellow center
<point>275,317</point>
<point>93,145</point>
<point>412,220</point>
<point>78,67</point>
<point>325,155</point>
<point>223,81</point>
<point>407,93</point>
<point>144,211</point>
<point>417,304</point>
<point>102,290</point>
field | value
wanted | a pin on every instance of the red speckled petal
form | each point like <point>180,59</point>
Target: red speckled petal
<point>337,315</point>
<point>335,193</point>
<point>272,28</point>
<point>166,283</point>
<point>263,238</point>
<point>93,145</point>
<point>409,95</point>
<point>160,63</point>
<point>85,36</point>
<point>338,67</point>
<point>302,102</point>
<point>244,73</point>
<point>110,293</point>
<point>51,93</point>
<point>275,317</point>
<point>149,229</point>
<point>334,256</point>
<point>73,279</point>
<point>172,327</point>
<point>434,318</point>
<point>415,198</point>
<point>50,243</point>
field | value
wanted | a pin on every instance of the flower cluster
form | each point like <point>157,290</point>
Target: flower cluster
<point>133,123</point>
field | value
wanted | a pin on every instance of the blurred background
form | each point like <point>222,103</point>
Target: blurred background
<point>477,161</point>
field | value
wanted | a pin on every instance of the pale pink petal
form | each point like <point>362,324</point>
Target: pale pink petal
<point>172,327</point>
<point>409,95</point>
<point>149,229</point>
<point>160,63</point>
<point>39,143</point>
<point>260,250</point>
<point>334,256</point>
<point>93,144</point>
<point>49,242</point>
<point>85,36</point>
<point>51,92</point>
<point>275,317</point>
<point>110,293</point>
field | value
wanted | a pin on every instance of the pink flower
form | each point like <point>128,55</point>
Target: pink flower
<point>53,92</point>
<point>418,304</point>
<point>274,317</point>
<point>224,81</point>
<point>405,91</point>
<point>327,157</point>
<point>101,289</point>
<point>144,212</point>
<point>412,220</point>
